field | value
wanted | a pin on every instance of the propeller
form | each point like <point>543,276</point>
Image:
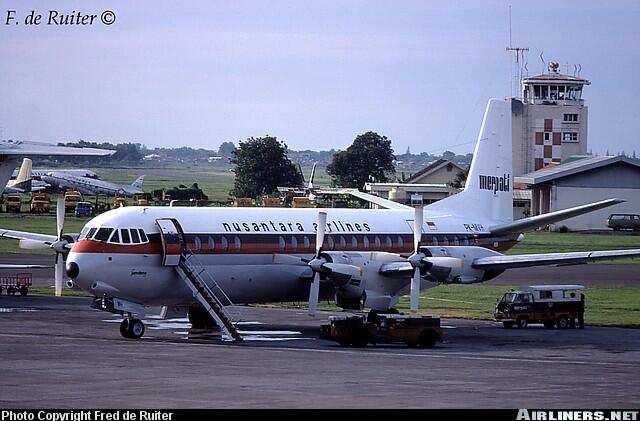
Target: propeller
<point>316,264</point>
<point>416,258</point>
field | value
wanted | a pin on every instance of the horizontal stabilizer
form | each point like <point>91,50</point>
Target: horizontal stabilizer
<point>543,259</point>
<point>549,218</point>
<point>380,201</point>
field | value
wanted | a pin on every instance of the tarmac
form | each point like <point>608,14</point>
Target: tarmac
<point>59,353</point>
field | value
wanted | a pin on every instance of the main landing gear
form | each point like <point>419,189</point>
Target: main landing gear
<point>131,328</point>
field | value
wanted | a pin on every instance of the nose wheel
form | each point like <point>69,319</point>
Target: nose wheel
<point>131,328</point>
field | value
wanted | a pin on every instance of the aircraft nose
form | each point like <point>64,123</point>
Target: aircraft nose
<point>73,270</point>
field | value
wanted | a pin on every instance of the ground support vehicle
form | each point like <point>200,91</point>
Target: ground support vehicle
<point>84,209</point>
<point>18,283</point>
<point>71,199</point>
<point>551,305</point>
<point>413,330</point>
<point>40,203</point>
<point>14,203</point>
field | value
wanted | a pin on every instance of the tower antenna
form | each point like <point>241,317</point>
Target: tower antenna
<point>519,56</point>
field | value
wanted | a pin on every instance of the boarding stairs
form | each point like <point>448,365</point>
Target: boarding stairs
<point>203,286</point>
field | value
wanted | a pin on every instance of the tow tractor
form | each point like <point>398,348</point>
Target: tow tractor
<point>413,330</point>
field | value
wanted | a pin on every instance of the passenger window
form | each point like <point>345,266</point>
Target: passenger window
<point>103,234</point>
<point>281,243</point>
<point>331,243</point>
<point>400,242</point>
<point>124,234</point>
<point>143,236</point>
<point>434,240</point>
<point>237,242</point>
<point>115,237</point>
<point>225,243</point>
<point>307,244</point>
<point>135,237</point>
<point>294,242</point>
<point>377,242</point>
<point>389,242</point>
<point>197,243</point>
<point>343,243</point>
<point>354,242</point>
<point>211,244</point>
<point>366,242</point>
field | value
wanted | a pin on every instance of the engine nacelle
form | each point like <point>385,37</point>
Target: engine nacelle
<point>349,288</point>
<point>457,267</point>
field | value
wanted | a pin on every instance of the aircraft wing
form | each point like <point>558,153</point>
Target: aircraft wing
<point>384,203</point>
<point>548,218</point>
<point>543,259</point>
<point>10,266</point>
<point>21,235</point>
<point>21,148</point>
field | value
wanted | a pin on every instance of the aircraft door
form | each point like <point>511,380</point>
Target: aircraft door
<point>172,241</point>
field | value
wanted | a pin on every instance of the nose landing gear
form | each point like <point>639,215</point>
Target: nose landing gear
<point>131,328</point>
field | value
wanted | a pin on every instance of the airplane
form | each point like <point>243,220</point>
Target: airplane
<point>12,151</point>
<point>198,260</point>
<point>80,172</point>
<point>91,186</point>
<point>24,182</point>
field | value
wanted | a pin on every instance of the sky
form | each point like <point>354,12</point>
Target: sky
<point>315,74</point>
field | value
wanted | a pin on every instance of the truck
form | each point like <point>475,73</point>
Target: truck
<point>551,305</point>
<point>18,283</point>
<point>411,329</point>
<point>120,202</point>
<point>40,202</point>
<point>71,199</point>
<point>84,209</point>
<point>14,203</point>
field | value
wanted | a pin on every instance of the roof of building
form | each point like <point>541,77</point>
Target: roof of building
<point>556,77</point>
<point>434,166</point>
<point>573,167</point>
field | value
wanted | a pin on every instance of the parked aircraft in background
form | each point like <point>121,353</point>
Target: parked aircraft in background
<point>12,151</point>
<point>197,260</point>
<point>24,182</point>
<point>91,186</point>
<point>80,172</point>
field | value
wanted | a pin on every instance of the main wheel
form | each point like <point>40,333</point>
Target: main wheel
<point>562,323</point>
<point>135,329</point>
<point>124,328</point>
<point>24,291</point>
<point>522,322</point>
<point>11,291</point>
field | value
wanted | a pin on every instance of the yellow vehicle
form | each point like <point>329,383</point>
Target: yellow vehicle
<point>142,202</point>
<point>14,203</point>
<point>40,203</point>
<point>71,199</point>
<point>120,202</point>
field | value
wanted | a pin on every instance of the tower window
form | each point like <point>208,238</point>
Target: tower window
<point>569,136</point>
<point>570,118</point>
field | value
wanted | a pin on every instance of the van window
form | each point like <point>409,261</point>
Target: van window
<point>545,295</point>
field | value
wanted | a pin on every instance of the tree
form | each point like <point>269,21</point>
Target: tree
<point>369,158</point>
<point>261,165</point>
<point>226,149</point>
<point>461,179</point>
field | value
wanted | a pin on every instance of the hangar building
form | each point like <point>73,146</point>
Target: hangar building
<point>583,181</point>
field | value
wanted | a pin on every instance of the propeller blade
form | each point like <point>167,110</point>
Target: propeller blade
<point>343,269</point>
<point>288,259</point>
<point>59,274</point>
<point>415,289</point>
<point>417,228</point>
<point>322,226</point>
<point>33,245</point>
<point>314,293</point>
<point>60,216</point>
<point>445,262</point>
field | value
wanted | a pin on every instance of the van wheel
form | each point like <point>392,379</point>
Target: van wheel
<point>522,322</point>
<point>427,339</point>
<point>562,323</point>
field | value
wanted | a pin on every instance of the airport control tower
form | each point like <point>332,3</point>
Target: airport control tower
<point>549,120</point>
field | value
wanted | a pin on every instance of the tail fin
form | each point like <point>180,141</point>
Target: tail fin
<point>313,174</point>
<point>23,180</point>
<point>138,183</point>
<point>488,192</point>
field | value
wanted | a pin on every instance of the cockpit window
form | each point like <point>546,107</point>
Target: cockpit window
<point>83,233</point>
<point>90,233</point>
<point>143,236</point>
<point>115,238</point>
<point>135,237</point>
<point>125,236</point>
<point>103,234</point>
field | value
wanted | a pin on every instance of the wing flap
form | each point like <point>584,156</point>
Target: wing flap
<point>543,259</point>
